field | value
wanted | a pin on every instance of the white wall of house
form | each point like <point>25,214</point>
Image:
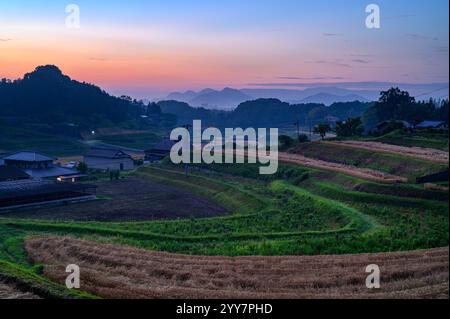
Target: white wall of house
<point>124,164</point>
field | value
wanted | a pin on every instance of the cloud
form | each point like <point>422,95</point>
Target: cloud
<point>361,55</point>
<point>332,34</point>
<point>400,16</point>
<point>360,61</point>
<point>335,63</point>
<point>98,59</point>
<point>5,39</point>
<point>310,78</point>
<point>417,36</point>
<point>442,49</point>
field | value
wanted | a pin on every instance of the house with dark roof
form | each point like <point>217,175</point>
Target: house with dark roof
<point>386,125</point>
<point>108,159</point>
<point>8,174</point>
<point>37,165</point>
<point>437,125</point>
<point>158,152</point>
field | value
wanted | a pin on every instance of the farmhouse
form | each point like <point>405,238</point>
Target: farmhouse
<point>37,192</point>
<point>438,125</point>
<point>159,151</point>
<point>385,125</point>
<point>108,159</point>
<point>37,165</point>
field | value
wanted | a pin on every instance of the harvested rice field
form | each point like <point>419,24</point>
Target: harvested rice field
<point>429,154</point>
<point>113,271</point>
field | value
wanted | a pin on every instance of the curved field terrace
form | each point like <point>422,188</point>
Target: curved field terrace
<point>125,272</point>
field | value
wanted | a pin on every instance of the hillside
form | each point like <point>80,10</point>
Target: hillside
<point>47,95</point>
<point>264,113</point>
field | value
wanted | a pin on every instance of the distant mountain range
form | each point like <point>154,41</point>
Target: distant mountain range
<point>229,98</point>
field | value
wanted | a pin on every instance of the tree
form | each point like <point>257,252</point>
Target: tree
<point>351,127</point>
<point>303,138</point>
<point>82,167</point>
<point>322,130</point>
<point>285,142</point>
<point>394,104</point>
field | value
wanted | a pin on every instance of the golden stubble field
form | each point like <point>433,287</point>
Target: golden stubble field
<point>113,271</point>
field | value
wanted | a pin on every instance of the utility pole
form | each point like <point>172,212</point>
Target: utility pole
<point>186,126</point>
<point>297,124</point>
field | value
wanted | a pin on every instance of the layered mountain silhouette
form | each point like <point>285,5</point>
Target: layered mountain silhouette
<point>226,99</point>
<point>229,99</point>
<point>314,93</point>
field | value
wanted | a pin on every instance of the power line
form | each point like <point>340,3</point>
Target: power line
<point>434,91</point>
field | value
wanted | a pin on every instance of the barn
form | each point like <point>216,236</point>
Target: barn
<point>108,159</point>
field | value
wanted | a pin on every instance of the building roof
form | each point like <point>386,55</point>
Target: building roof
<point>107,153</point>
<point>50,172</point>
<point>165,145</point>
<point>426,124</point>
<point>26,188</point>
<point>12,173</point>
<point>29,157</point>
<point>406,124</point>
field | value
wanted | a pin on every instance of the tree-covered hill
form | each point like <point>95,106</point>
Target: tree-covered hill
<point>47,95</point>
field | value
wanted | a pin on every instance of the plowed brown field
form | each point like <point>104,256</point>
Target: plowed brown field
<point>122,272</point>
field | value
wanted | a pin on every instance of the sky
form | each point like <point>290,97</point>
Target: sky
<point>149,48</point>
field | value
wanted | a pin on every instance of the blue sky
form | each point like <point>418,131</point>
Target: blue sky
<point>175,45</point>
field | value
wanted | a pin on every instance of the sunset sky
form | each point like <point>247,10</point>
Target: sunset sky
<point>149,48</point>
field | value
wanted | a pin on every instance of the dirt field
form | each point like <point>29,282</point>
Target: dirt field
<point>428,154</point>
<point>9,291</point>
<point>365,173</point>
<point>131,199</point>
<point>121,272</point>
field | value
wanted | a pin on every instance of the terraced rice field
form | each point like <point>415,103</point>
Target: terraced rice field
<point>113,271</point>
<point>10,291</point>
<point>429,154</point>
<point>366,173</point>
